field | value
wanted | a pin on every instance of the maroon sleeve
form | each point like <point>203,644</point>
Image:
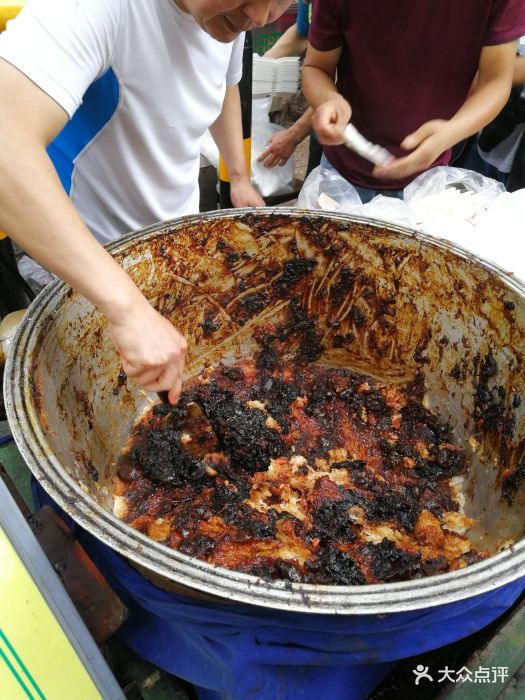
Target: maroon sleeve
<point>326,27</point>
<point>507,21</point>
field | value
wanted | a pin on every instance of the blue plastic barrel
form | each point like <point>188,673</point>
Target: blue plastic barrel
<point>242,652</point>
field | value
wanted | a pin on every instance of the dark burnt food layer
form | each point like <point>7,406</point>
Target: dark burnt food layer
<point>299,472</point>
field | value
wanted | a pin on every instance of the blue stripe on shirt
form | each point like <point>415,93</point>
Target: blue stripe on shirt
<point>97,108</point>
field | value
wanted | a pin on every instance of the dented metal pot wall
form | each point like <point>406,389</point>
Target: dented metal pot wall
<point>389,302</point>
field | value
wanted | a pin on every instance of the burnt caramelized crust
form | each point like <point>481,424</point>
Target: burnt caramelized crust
<point>299,472</point>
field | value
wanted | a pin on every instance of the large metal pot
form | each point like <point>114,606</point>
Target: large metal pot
<point>434,309</point>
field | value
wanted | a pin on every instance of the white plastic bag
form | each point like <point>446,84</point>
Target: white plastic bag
<point>269,181</point>
<point>326,189</point>
<point>442,194</point>
<point>497,235</point>
<point>389,209</point>
<point>472,211</point>
<point>261,109</point>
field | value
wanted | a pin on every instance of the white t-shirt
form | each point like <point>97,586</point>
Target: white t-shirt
<point>142,83</point>
<point>503,154</point>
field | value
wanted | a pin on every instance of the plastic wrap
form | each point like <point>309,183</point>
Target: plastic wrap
<point>36,276</point>
<point>269,181</point>
<point>497,234</point>
<point>444,193</point>
<point>389,209</point>
<point>326,189</point>
<point>261,109</point>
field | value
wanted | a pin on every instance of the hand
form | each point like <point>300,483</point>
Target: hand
<point>244,194</point>
<point>280,147</point>
<point>330,119</point>
<point>152,350</point>
<point>426,144</point>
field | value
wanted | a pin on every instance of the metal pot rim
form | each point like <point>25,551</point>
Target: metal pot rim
<point>472,580</point>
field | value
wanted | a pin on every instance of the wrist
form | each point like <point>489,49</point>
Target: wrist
<point>125,299</point>
<point>299,132</point>
<point>335,99</point>
<point>237,179</point>
<point>343,107</point>
<point>449,134</point>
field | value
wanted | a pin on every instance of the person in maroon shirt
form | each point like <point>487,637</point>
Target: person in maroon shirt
<point>403,71</point>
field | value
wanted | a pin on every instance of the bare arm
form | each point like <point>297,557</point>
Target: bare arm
<point>282,144</point>
<point>227,134</point>
<point>37,214</point>
<point>484,102</point>
<point>291,43</point>
<point>518,77</point>
<point>331,111</point>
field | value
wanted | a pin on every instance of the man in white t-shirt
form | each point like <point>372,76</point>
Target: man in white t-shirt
<point>103,104</point>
